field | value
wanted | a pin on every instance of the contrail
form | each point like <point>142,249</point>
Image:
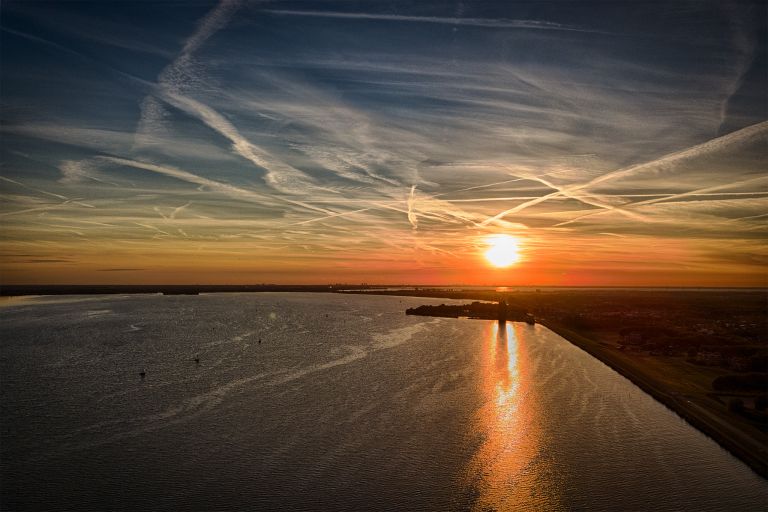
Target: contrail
<point>666,161</point>
<point>520,207</point>
<point>225,188</point>
<point>178,210</point>
<point>330,216</point>
<point>411,213</point>
<point>473,22</point>
<point>170,87</point>
<point>280,176</point>
<point>151,111</point>
<point>47,208</point>
<point>214,21</point>
<point>673,197</point>
<point>9,180</point>
<point>589,199</point>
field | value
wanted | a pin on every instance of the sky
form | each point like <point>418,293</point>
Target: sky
<point>241,142</point>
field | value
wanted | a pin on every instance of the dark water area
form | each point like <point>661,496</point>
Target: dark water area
<point>346,404</point>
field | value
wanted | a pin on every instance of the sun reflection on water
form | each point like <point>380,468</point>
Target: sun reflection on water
<point>509,472</point>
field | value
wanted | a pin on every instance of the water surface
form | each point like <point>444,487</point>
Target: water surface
<point>345,404</point>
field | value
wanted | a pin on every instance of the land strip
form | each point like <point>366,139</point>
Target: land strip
<point>732,433</point>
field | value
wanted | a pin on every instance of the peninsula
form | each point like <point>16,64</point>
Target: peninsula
<point>478,310</point>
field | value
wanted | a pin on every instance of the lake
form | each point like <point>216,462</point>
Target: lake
<point>330,402</point>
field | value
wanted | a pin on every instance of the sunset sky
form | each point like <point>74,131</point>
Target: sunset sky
<point>618,143</point>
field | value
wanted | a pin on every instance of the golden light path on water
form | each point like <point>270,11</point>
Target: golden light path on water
<point>509,471</point>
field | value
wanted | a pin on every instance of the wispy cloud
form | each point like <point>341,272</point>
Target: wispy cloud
<point>667,162</point>
<point>753,182</point>
<point>472,22</point>
<point>745,45</point>
<point>211,23</point>
<point>279,175</point>
<point>178,75</point>
<point>175,83</point>
<point>46,42</point>
<point>179,209</point>
<point>412,218</point>
<point>74,171</point>
<point>225,188</point>
<point>661,164</point>
<point>338,151</point>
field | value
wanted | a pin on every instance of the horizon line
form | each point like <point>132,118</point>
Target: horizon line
<point>364,285</point>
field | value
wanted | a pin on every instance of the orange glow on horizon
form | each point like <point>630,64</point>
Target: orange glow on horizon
<point>545,260</point>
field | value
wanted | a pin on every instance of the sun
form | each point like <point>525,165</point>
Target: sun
<point>503,250</point>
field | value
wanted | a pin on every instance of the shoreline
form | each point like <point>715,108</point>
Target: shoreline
<point>744,447</point>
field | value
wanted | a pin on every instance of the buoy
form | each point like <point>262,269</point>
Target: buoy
<point>143,373</point>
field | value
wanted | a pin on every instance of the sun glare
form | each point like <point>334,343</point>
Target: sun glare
<point>503,250</point>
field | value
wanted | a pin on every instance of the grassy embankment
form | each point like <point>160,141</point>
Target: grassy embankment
<point>684,390</point>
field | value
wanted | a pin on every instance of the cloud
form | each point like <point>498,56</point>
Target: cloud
<point>116,141</point>
<point>178,78</point>
<point>412,218</point>
<point>101,31</point>
<point>745,41</point>
<point>341,149</point>
<point>664,163</point>
<point>472,22</point>
<point>280,176</point>
<point>50,44</point>
<point>668,198</point>
<point>179,209</point>
<point>39,191</point>
<point>179,74</point>
<point>211,23</point>
<point>76,171</point>
<point>669,161</point>
<point>224,188</point>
